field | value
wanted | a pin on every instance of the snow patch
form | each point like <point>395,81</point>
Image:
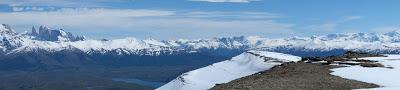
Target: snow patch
<point>239,66</point>
<point>385,77</point>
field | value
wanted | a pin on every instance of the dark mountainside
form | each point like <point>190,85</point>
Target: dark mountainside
<point>161,68</point>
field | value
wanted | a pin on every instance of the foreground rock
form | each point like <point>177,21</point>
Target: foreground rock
<point>295,76</point>
<point>348,58</point>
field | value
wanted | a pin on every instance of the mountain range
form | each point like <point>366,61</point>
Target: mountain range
<point>46,49</point>
<point>57,40</point>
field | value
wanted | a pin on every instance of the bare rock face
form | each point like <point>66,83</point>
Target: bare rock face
<point>47,34</point>
<point>34,32</point>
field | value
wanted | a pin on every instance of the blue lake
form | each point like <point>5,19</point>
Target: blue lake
<point>140,82</point>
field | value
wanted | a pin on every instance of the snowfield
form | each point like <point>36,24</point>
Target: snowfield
<point>387,78</point>
<point>245,64</point>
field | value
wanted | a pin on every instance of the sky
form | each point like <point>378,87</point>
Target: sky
<point>194,19</point>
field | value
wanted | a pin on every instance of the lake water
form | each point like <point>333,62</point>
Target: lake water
<point>140,82</point>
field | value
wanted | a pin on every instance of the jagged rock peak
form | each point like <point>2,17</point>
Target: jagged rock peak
<point>34,32</point>
<point>48,34</point>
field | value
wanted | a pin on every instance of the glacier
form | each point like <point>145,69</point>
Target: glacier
<point>239,66</point>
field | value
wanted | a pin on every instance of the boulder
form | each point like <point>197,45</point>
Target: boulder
<point>371,64</point>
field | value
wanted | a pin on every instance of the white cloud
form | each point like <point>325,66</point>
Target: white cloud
<point>162,24</point>
<point>323,27</point>
<point>76,16</point>
<point>62,3</point>
<point>333,25</point>
<point>36,2</point>
<point>349,18</point>
<point>385,29</point>
<point>18,9</point>
<point>231,1</point>
<point>238,15</point>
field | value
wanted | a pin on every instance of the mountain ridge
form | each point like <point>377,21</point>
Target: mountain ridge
<point>367,42</point>
<point>245,64</point>
<point>25,52</point>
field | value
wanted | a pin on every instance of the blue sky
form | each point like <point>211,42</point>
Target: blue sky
<point>192,19</point>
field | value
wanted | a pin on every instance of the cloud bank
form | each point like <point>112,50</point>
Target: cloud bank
<point>145,23</point>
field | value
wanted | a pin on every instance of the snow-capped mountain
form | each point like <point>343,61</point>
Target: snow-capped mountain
<point>58,40</point>
<point>222,72</point>
<point>42,51</point>
<point>9,38</point>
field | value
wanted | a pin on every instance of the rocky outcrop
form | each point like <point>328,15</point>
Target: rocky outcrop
<point>34,32</point>
<point>47,34</point>
<point>348,58</point>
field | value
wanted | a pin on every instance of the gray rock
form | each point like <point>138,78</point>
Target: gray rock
<point>48,34</point>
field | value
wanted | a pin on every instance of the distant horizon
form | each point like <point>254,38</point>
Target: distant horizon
<point>193,19</point>
<point>99,38</point>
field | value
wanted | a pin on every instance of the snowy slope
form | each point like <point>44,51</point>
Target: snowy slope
<point>385,77</point>
<point>9,39</point>
<point>222,72</point>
